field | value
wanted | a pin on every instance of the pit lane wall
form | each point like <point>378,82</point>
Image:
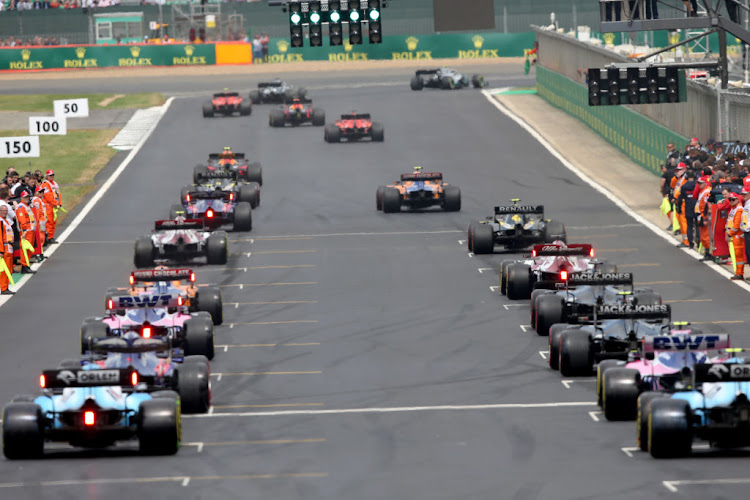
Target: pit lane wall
<point>423,47</point>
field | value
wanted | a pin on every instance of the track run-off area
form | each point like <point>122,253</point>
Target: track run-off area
<point>363,355</point>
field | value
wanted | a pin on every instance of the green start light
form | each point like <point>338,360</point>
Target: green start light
<point>315,18</point>
<point>354,16</point>
<point>374,15</point>
<point>335,17</point>
<point>295,18</point>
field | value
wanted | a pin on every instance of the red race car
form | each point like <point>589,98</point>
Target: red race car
<point>295,113</point>
<point>354,127</point>
<point>227,103</point>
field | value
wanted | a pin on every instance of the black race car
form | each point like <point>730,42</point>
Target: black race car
<point>515,226</point>
<point>276,91</point>
<point>444,78</point>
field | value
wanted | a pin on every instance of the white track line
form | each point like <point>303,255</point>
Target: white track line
<point>672,485</point>
<point>94,199</point>
<point>488,93</point>
<point>402,409</point>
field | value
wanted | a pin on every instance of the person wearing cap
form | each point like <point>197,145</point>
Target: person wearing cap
<point>27,229</point>
<point>701,215</point>
<point>735,235</point>
<point>40,214</point>
<point>678,181</point>
<point>53,202</point>
<point>6,252</point>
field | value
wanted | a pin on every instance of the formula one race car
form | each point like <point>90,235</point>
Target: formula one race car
<point>216,208</point>
<point>515,226</point>
<point>548,266</point>
<point>91,407</point>
<point>158,315</point>
<point>180,240</point>
<point>226,182</point>
<point>177,282</point>
<point>276,91</point>
<point>444,78</point>
<point>297,112</point>
<point>659,364</point>
<point>354,127</point>
<point>227,103</point>
<point>714,407</point>
<point>229,161</point>
<point>418,190</point>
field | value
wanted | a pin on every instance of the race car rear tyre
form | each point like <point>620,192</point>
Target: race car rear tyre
<point>532,304</point>
<point>176,210</point>
<point>416,83</point>
<point>446,83</point>
<point>379,197</point>
<point>601,369</point>
<point>144,252</point>
<point>91,332</point>
<point>648,299</point>
<point>254,173</point>
<point>200,172</point>
<point>391,200</point>
<point>452,200</point>
<point>553,356</point>
<point>549,310</point>
<point>208,109</point>
<point>332,133</point>
<point>470,236</point>
<point>246,108</point>
<point>644,411</point>
<point>302,93</point>
<point>504,276</point>
<point>669,431</point>
<point>289,95</point>
<point>193,385</point>
<point>276,118</point>
<point>216,248</point>
<point>378,132</point>
<point>318,117</point>
<point>621,387</point>
<point>477,81</point>
<point>555,230</point>
<point>159,427</point>
<point>255,97</point>
<point>209,300</point>
<point>575,353</point>
<point>250,193</point>
<point>483,239</point>
<point>243,217</point>
<point>23,437</point>
<point>199,337</point>
<point>519,281</point>
<point>184,192</point>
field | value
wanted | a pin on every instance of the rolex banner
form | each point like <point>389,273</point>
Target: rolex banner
<point>102,56</point>
<point>423,47</point>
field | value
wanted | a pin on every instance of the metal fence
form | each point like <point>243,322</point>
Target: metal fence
<point>698,117</point>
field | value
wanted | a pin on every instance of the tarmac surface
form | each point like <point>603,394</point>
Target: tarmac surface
<point>365,355</point>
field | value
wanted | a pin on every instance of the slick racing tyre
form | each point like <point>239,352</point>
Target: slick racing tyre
<point>276,118</point>
<point>254,173</point>
<point>601,369</point>
<point>477,81</point>
<point>91,331</point>
<point>200,172</point>
<point>332,133</point>
<point>209,300</point>
<point>318,118</point>
<point>452,199</point>
<point>379,197</point>
<point>518,286</point>
<point>255,97</point>
<point>621,387</point>
<point>199,337</point>
<point>193,384</point>
<point>555,331</point>
<point>217,248</point>
<point>378,132</point>
<point>554,231</point>
<point>391,200</point>
<point>250,193</point>
<point>446,83</point>
<point>644,412</point>
<point>504,276</point>
<point>243,217</point>
<point>483,239</point>
<point>575,353</point>
<point>648,299</point>
<point>208,109</point>
<point>302,93</point>
<point>669,431</point>
<point>246,108</point>
<point>144,252</point>
<point>416,83</point>
<point>159,426</point>
<point>549,310</point>
<point>535,294</point>
<point>23,437</point>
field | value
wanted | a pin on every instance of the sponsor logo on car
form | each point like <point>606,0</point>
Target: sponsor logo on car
<point>682,342</point>
<point>88,377</point>
<point>144,301</point>
<point>626,309</point>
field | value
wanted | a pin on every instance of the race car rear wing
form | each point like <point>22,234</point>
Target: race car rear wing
<point>421,72</point>
<point>220,174</point>
<point>422,176</point>
<point>633,311</point>
<point>298,100</point>
<point>600,279</point>
<point>220,156</point>
<point>685,341</point>
<point>63,379</point>
<point>226,94</point>
<point>144,301</point>
<point>721,372</point>
<point>172,224</point>
<point>150,275</point>
<point>263,85</point>
<point>573,249</point>
<point>141,345</point>
<point>209,195</point>
<point>356,116</point>
<point>519,209</point>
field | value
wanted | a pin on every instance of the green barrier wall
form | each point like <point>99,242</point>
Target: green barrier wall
<point>642,139</point>
<point>92,56</point>
<point>461,46</point>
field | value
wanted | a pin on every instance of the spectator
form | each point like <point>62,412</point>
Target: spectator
<point>6,251</point>
<point>687,203</point>
<point>719,151</point>
<point>264,41</point>
<point>257,49</point>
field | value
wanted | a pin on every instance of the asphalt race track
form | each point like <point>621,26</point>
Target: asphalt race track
<point>365,355</point>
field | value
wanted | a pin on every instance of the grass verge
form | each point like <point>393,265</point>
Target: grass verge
<point>76,158</point>
<point>43,103</point>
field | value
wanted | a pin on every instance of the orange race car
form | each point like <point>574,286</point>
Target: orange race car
<point>418,190</point>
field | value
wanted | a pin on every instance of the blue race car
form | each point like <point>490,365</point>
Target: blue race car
<point>215,208</point>
<point>713,407</point>
<point>92,407</point>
